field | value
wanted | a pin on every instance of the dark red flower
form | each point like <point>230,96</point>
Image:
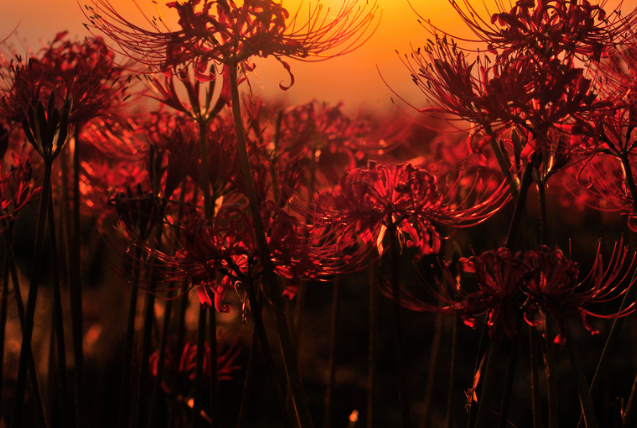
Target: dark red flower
<point>406,200</point>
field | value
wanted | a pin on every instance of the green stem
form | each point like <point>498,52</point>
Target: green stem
<point>36,272</point>
<point>301,408</point>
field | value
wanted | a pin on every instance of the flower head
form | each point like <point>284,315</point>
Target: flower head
<point>225,31</point>
<point>406,200</point>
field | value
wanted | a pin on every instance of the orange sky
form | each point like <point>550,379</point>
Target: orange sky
<point>353,78</point>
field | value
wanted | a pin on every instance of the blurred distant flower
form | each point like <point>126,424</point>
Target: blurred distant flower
<point>17,187</point>
<point>180,373</point>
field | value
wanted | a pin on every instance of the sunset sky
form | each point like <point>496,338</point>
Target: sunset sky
<point>353,78</point>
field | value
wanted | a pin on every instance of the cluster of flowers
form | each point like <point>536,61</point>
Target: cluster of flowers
<point>234,198</point>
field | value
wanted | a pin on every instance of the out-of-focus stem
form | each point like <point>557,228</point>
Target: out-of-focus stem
<point>612,338</point>
<point>535,385</point>
<point>488,383</point>
<point>551,381</point>
<point>580,379</point>
<point>262,338</point>
<point>431,372</point>
<point>125,396</point>
<point>520,204</point>
<point>541,191</point>
<point>510,373</point>
<point>34,382</point>
<point>215,410</point>
<point>58,320</point>
<point>301,407</point>
<point>36,272</point>
<point>371,347</point>
<point>452,373</point>
<point>75,288</point>
<point>199,361</point>
<point>331,367</point>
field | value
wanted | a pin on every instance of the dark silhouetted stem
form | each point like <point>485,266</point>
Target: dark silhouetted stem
<point>36,272</point>
<point>510,374</point>
<point>580,380</point>
<point>520,204</point>
<point>431,372</point>
<point>331,366</point>
<point>301,407</point>
<point>248,382</point>
<point>551,382</point>
<point>199,362</point>
<point>34,382</point>
<point>75,288</point>
<point>394,267</point>
<point>535,382</point>
<point>262,338</point>
<point>371,347</point>
<point>161,357</point>
<point>215,410</point>
<point>488,383</point>
<point>58,321</point>
<point>452,374</point>
<point>127,381</point>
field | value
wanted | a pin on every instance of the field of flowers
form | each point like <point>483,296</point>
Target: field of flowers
<point>178,252</point>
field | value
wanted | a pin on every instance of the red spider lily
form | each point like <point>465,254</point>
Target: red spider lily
<point>553,285</point>
<point>17,188</point>
<point>547,27</point>
<point>113,159</point>
<point>599,182</point>
<point>163,89</point>
<point>223,31</point>
<point>536,97</point>
<point>82,71</point>
<point>500,277</point>
<point>406,200</point>
<point>325,141</point>
<point>504,285</point>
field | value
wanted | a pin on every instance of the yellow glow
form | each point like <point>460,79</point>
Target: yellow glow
<point>353,78</point>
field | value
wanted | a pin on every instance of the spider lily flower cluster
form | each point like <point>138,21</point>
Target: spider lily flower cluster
<point>232,222</point>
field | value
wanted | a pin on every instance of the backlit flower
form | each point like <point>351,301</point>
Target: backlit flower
<point>405,200</point>
<point>225,31</point>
